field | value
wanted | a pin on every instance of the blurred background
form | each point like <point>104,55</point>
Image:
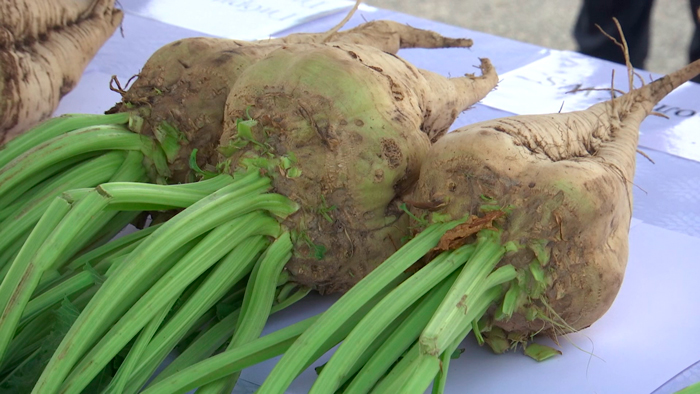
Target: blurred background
<point>549,23</point>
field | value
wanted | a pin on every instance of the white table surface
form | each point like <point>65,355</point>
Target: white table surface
<point>645,339</point>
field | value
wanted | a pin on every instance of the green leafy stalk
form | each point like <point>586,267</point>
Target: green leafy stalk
<point>202,216</point>
<point>231,361</point>
<point>202,347</point>
<point>207,252</point>
<point>419,367</point>
<point>74,143</point>
<point>146,197</point>
<point>89,174</point>
<point>22,276</point>
<point>406,294</point>
<point>118,383</point>
<point>104,228</point>
<point>27,340</point>
<point>426,367</point>
<point>400,340</point>
<point>25,376</point>
<point>257,303</point>
<point>39,183</point>
<point>377,343</point>
<point>76,283</point>
<point>52,128</point>
<point>450,316</point>
<point>400,372</point>
<point>111,247</point>
<point>312,341</point>
<point>229,271</point>
<point>10,253</point>
<point>214,338</point>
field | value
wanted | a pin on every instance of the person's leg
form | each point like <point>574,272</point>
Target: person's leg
<point>634,17</point>
<point>694,50</point>
<point>695,42</point>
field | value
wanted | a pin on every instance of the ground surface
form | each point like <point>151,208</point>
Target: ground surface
<point>549,23</point>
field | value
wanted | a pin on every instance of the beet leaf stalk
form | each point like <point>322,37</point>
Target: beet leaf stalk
<point>64,153</point>
<point>129,297</point>
<point>315,341</point>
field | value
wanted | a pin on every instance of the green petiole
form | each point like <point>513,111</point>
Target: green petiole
<point>89,174</point>
<point>40,182</point>
<point>27,340</point>
<point>24,274</point>
<point>76,283</point>
<point>109,248</point>
<point>52,128</point>
<point>202,216</point>
<point>424,371</point>
<point>234,360</point>
<point>400,372</point>
<point>231,361</point>
<point>202,347</point>
<point>205,345</point>
<point>207,252</point>
<point>10,253</point>
<point>118,383</point>
<point>331,322</point>
<point>387,310</point>
<point>75,143</point>
<point>448,320</point>
<point>401,339</point>
<point>257,302</point>
<point>104,228</point>
<point>229,271</point>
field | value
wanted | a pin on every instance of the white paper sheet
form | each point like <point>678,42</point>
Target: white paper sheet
<point>240,19</point>
<point>546,85</point>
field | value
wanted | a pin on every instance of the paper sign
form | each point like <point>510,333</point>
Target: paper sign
<point>568,81</point>
<point>240,19</point>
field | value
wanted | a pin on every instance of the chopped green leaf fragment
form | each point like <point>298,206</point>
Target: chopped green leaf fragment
<point>497,341</point>
<point>458,352</point>
<point>135,122</point>
<point>536,270</point>
<point>490,207</point>
<point>232,147</point>
<point>531,314</point>
<point>245,128</point>
<point>540,282</point>
<point>510,302</point>
<point>293,172</point>
<point>422,221</point>
<point>511,246</point>
<point>169,138</point>
<point>224,167</point>
<point>437,217</point>
<point>487,198</point>
<point>319,251</point>
<point>195,167</point>
<point>324,209</point>
<point>257,162</point>
<point>285,162</point>
<point>539,247</point>
<point>477,332</point>
<point>540,352</point>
